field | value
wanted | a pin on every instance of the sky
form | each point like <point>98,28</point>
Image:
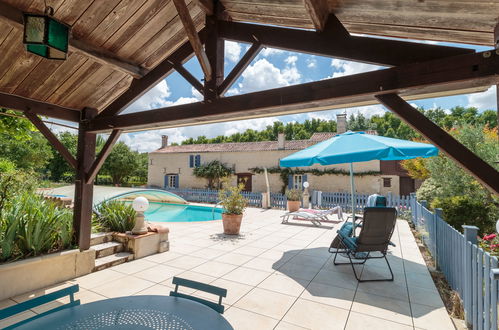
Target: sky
<point>272,68</point>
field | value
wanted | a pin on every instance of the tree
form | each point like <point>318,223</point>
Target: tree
<point>58,167</point>
<point>121,163</point>
<point>213,172</point>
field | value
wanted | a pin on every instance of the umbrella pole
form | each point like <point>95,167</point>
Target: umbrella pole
<point>352,187</point>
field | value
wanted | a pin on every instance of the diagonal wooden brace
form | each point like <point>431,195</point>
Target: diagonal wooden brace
<point>101,158</point>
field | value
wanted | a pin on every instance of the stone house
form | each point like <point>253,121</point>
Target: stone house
<point>172,167</point>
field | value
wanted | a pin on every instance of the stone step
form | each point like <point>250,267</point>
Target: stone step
<point>112,260</point>
<point>98,238</point>
<point>106,249</point>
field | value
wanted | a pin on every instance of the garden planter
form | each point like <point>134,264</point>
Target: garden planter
<point>293,206</point>
<point>232,223</point>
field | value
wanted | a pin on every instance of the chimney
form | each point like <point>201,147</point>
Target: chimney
<point>341,123</point>
<point>281,139</point>
<point>164,141</point>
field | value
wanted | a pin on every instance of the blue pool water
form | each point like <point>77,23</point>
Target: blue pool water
<point>165,212</point>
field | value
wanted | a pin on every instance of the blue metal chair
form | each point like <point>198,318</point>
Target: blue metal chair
<point>221,292</point>
<point>38,301</point>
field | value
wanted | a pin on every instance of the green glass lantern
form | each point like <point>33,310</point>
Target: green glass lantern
<point>45,36</point>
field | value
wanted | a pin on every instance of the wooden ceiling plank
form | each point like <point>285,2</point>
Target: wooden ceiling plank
<point>447,74</point>
<point>192,34</point>
<point>139,87</point>
<point>44,69</point>
<point>10,46</point>
<point>206,6</point>
<point>13,16</point>
<point>381,51</point>
<point>41,108</point>
<point>318,11</point>
<point>92,17</point>
<point>305,23</point>
<point>114,92</point>
<point>266,9</point>
<point>474,165</point>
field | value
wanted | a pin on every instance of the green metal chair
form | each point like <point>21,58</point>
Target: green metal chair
<point>221,292</point>
<point>38,301</point>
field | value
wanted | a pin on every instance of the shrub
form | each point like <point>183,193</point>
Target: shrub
<point>467,210</point>
<point>231,198</point>
<point>294,194</point>
<point>115,216</point>
<point>6,165</point>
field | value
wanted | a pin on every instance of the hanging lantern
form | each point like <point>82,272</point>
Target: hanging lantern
<point>45,36</point>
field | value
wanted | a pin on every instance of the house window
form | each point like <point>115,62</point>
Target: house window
<point>171,181</point>
<point>387,182</point>
<point>194,161</point>
<point>295,181</point>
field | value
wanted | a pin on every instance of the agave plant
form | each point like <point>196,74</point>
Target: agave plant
<point>115,216</point>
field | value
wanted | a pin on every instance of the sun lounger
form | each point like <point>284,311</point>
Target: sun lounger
<point>314,216</point>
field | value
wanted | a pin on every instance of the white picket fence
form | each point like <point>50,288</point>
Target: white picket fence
<point>326,200</point>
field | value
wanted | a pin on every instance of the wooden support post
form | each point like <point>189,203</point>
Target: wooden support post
<point>82,216</point>
<point>318,10</point>
<point>106,150</point>
<point>215,51</point>
<point>54,141</point>
<point>473,164</point>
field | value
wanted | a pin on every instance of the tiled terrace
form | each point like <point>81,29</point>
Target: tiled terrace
<point>279,277</point>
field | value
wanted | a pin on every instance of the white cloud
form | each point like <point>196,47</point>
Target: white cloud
<point>196,94</point>
<point>311,63</point>
<point>346,68</point>
<point>232,91</point>
<point>264,75</point>
<point>157,97</point>
<point>291,60</point>
<point>267,51</point>
<point>232,51</point>
<point>484,101</point>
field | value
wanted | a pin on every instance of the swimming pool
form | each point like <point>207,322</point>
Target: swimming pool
<point>166,212</point>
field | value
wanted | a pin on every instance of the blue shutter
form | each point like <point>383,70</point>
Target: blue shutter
<point>303,180</point>
<point>198,160</point>
<point>290,181</point>
<point>176,180</point>
<point>166,182</point>
<point>191,161</point>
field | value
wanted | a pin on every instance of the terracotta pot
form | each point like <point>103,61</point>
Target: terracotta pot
<point>293,206</point>
<point>232,223</point>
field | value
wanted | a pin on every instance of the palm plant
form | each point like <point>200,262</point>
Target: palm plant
<point>115,216</point>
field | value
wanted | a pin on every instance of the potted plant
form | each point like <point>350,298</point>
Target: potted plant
<point>294,199</point>
<point>233,203</point>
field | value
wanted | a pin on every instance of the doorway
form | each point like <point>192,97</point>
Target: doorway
<point>406,186</point>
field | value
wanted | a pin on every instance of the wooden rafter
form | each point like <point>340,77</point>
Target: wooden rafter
<point>206,6</point>
<point>473,164</point>
<point>419,80</point>
<point>240,67</point>
<point>189,77</point>
<point>54,141</point>
<point>14,17</point>
<point>139,87</point>
<point>190,29</point>
<point>318,10</point>
<point>334,44</point>
<point>101,158</point>
<point>19,103</point>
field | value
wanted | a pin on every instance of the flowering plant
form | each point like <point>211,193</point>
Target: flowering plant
<point>490,243</point>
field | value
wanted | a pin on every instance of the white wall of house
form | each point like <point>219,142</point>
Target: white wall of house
<point>161,164</point>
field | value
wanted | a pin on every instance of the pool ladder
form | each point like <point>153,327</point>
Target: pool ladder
<point>213,210</point>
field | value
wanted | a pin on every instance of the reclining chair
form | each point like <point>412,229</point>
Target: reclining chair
<point>377,229</point>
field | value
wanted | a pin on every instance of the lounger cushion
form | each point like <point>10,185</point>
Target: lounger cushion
<point>346,230</point>
<point>350,242</point>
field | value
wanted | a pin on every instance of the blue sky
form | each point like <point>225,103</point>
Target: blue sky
<point>270,69</point>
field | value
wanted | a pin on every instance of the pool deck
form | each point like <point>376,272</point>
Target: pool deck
<point>278,276</point>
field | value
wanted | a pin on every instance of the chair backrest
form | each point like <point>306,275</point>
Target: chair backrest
<point>377,229</point>
<point>376,200</point>
<point>220,292</point>
<point>38,301</point>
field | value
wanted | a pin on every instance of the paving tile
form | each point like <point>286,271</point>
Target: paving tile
<point>428,317</point>
<point>246,276</point>
<point>342,279</point>
<point>313,315</point>
<point>284,284</point>
<point>288,326</point>
<point>250,250</point>
<point>329,295</point>
<point>125,286</point>
<point>16,318</point>
<point>265,302</point>
<point>191,275</point>
<point>163,257</point>
<point>234,291</point>
<point>425,297</point>
<point>93,280</point>
<point>267,265</point>
<point>358,321</point>
<point>385,289</point>
<point>208,253</point>
<point>214,268</point>
<point>383,307</point>
<point>297,270</point>
<point>234,258</point>
<point>185,262</point>
<point>241,319</point>
<point>158,273</point>
<point>134,266</point>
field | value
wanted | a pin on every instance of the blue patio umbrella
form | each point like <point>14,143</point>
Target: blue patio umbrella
<point>353,147</point>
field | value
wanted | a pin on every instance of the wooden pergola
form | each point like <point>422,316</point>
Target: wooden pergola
<point>119,49</point>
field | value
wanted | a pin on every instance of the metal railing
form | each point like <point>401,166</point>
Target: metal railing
<point>464,264</point>
<point>211,196</point>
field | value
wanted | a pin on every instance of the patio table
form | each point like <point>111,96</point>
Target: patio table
<point>137,312</point>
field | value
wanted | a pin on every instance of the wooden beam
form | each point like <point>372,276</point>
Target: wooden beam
<point>206,6</point>
<point>190,29</point>
<point>83,201</point>
<point>101,158</point>
<point>215,49</point>
<point>19,103</point>
<point>363,49</point>
<point>54,141</point>
<point>14,17</point>
<point>239,68</point>
<point>189,77</point>
<point>139,87</point>
<point>318,10</point>
<point>428,79</point>
<point>473,164</point>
